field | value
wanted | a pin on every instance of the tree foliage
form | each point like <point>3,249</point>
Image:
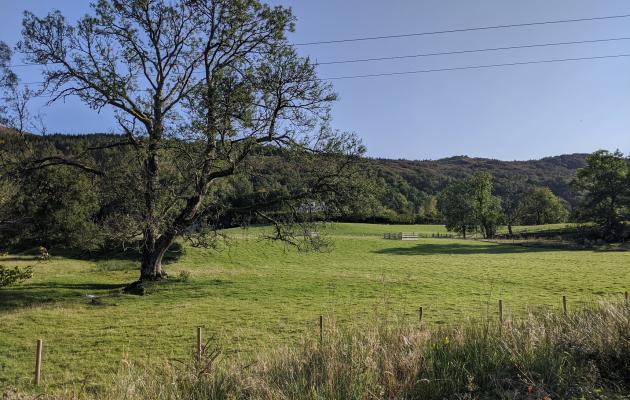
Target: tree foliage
<point>469,206</point>
<point>11,276</point>
<point>604,184</point>
<point>540,206</point>
<point>54,208</point>
<point>511,199</point>
<point>457,209</point>
<point>487,208</point>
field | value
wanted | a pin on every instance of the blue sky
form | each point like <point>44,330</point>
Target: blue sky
<point>507,113</point>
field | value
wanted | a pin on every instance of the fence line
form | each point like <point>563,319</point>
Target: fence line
<point>199,347</point>
<point>415,236</point>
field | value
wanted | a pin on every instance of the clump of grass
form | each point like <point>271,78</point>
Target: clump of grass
<point>184,276</point>
<point>116,265</point>
<point>546,356</point>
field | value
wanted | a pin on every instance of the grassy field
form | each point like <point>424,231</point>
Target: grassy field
<point>253,295</point>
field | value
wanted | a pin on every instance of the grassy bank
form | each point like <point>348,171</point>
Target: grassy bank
<point>256,296</point>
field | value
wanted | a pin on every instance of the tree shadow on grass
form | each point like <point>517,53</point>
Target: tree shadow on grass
<point>173,254</point>
<point>6,259</point>
<point>30,295</point>
<point>429,249</point>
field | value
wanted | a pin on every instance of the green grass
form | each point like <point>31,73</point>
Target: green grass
<point>582,355</point>
<point>540,228</point>
<point>254,295</point>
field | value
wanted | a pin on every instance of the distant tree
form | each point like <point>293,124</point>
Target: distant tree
<point>457,209</point>
<point>513,192</point>
<point>203,90</point>
<point>604,185</point>
<point>540,206</point>
<point>54,208</point>
<point>469,206</point>
<point>429,209</point>
<point>487,208</point>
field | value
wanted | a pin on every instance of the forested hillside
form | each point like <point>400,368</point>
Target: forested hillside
<point>404,190</point>
<point>432,176</point>
<point>416,180</point>
<point>408,188</point>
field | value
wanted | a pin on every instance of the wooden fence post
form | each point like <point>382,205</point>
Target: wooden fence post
<point>564,304</point>
<point>321,328</point>
<point>199,346</point>
<point>501,311</point>
<point>38,362</point>
<point>420,312</point>
<point>626,297</point>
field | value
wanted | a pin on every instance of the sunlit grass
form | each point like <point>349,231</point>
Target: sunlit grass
<point>253,295</point>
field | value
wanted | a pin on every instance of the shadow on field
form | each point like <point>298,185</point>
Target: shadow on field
<point>50,293</point>
<point>76,286</point>
<point>173,254</point>
<point>427,249</point>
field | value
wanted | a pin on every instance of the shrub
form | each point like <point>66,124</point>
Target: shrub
<point>11,276</point>
<point>184,276</point>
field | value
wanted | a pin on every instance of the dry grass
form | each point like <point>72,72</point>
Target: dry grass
<point>585,355</point>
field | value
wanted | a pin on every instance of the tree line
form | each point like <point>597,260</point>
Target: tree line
<point>407,191</point>
<point>66,208</point>
<point>602,188</point>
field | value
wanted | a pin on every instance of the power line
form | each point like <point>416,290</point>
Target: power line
<point>442,53</point>
<point>446,31</point>
<point>30,65</point>
<point>481,28</point>
<point>476,67</point>
<point>526,46</point>
<point>467,67</point>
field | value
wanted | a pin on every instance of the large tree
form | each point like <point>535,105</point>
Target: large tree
<point>456,208</point>
<point>604,186</point>
<point>510,196</point>
<point>205,91</point>
<point>469,205</point>
<point>487,208</point>
<point>540,206</point>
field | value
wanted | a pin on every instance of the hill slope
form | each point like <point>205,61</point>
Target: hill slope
<point>431,176</point>
<point>404,186</point>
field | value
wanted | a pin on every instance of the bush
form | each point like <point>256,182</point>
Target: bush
<point>11,276</point>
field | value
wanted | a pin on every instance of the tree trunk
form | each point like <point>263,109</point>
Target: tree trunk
<point>510,228</point>
<point>151,263</point>
<point>155,248</point>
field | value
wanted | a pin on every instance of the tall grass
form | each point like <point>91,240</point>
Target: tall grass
<point>584,355</point>
<point>547,356</point>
